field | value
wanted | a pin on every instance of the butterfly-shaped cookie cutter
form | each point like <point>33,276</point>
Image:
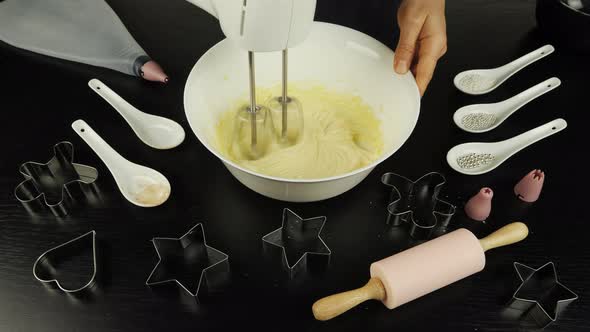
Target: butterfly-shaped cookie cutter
<point>417,204</point>
<point>57,175</point>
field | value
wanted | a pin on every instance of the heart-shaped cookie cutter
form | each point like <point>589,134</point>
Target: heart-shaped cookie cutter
<point>45,266</point>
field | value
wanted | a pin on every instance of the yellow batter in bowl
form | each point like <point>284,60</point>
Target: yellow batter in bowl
<point>340,134</point>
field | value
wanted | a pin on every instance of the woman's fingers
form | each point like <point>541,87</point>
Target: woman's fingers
<point>423,39</point>
<point>410,25</point>
<point>432,48</point>
<point>424,72</point>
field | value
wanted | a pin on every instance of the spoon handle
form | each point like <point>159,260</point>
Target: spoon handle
<point>530,94</point>
<point>532,136</point>
<point>527,59</point>
<point>127,111</point>
<point>112,159</point>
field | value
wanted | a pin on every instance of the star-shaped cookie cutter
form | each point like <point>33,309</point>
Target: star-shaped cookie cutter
<point>181,259</point>
<point>540,295</point>
<point>46,266</point>
<point>417,203</point>
<point>51,183</point>
<point>299,238</point>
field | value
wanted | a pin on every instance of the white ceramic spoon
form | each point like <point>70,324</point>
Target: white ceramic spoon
<point>498,152</point>
<point>155,131</point>
<point>140,185</point>
<point>479,118</point>
<point>480,81</point>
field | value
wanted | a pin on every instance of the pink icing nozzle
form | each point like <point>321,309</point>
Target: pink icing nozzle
<point>152,71</point>
<point>529,188</point>
<point>479,206</point>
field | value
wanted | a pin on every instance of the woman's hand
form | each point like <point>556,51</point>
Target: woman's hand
<point>423,39</point>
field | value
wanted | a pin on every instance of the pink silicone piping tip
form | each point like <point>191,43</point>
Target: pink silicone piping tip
<point>479,206</point>
<point>529,188</point>
<point>152,71</point>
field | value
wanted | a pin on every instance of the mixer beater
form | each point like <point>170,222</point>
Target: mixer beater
<point>288,110</point>
<point>259,125</point>
<point>253,130</point>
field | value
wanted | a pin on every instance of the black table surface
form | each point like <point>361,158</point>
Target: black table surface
<point>40,97</point>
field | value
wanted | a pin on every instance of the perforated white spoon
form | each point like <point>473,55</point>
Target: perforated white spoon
<point>479,118</point>
<point>479,158</point>
<point>155,131</point>
<point>140,185</point>
<point>480,81</point>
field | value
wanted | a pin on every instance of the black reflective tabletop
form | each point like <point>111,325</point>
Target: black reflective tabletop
<point>40,98</point>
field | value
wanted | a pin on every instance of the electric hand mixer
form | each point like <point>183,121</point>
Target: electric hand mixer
<point>264,26</point>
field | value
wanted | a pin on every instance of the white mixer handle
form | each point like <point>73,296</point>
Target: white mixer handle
<point>262,25</point>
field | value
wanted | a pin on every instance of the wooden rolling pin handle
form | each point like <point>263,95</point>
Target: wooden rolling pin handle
<point>504,236</point>
<point>334,305</point>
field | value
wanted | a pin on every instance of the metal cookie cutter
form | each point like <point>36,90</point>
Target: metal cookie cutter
<point>51,183</point>
<point>541,296</point>
<point>417,203</point>
<point>189,262</point>
<point>47,267</point>
<point>299,239</point>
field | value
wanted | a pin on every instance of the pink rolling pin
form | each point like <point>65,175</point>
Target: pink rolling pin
<point>420,270</point>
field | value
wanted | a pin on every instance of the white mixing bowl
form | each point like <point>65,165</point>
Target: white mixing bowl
<point>336,57</point>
